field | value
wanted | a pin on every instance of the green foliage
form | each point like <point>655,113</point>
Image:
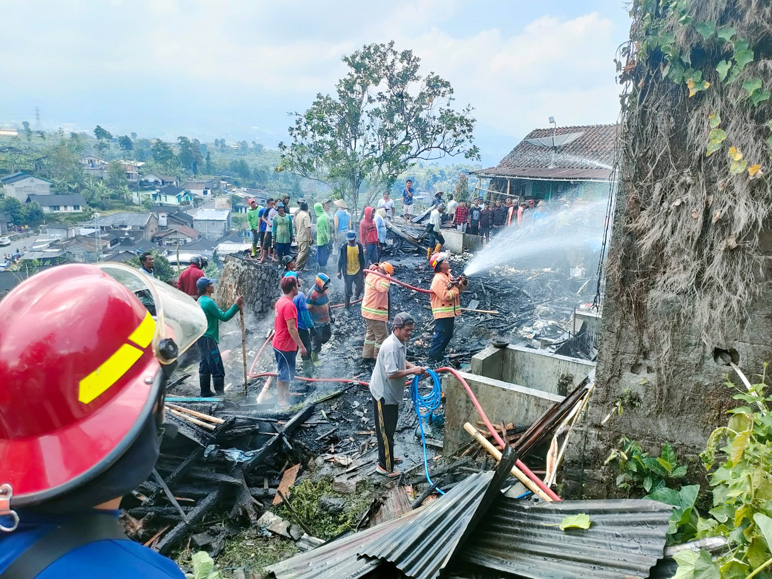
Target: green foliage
<point>684,522</point>
<point>203,567</point>
<point>29,214</point>
<point>125,143</point>
<point>164,156</point>
<point>384,116</point>
<point>305,500</point>
<point>665,26</point>
<point>742,490</point>
<point>641,473</point>
<point>102,135</point>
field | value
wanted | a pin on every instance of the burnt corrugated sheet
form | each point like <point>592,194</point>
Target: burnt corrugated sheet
<point>337,559</point>
<point>424,548</point>
<point>626,539</point>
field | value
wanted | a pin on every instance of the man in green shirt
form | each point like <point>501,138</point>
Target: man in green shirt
<point>211,365</point>
<point>253,218</point>
<point>323,237</point>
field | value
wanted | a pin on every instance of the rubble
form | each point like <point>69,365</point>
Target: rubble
<point>237,463</point>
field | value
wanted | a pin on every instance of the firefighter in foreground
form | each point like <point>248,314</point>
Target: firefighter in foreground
<point>446,304</point>
<point>83,373</point>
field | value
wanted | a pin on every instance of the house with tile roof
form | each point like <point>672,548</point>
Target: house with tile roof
<point>553,162</point>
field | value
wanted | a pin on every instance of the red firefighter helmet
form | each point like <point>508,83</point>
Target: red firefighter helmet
<point>79,376</point>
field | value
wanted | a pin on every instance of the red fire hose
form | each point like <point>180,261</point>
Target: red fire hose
<point>496,436</point>
<point>260,351</point>
<point>396,281</point>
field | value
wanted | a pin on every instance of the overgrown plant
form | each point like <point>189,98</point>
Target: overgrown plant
<point>695,147</point>
<point>742,492</point>
<point>641,473</point>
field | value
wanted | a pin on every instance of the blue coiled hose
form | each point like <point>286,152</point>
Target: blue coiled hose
<point>424,406</point>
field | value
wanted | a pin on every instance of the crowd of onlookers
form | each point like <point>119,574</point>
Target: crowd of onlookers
<point>274,227</point>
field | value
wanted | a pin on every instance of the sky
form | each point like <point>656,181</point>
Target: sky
<point>235,69</point>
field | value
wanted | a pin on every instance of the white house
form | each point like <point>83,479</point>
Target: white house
<point>22,185</point>
<point>58,203</point>
<point>200,188</point>
<point>212,223</point>
<point>94,166</point>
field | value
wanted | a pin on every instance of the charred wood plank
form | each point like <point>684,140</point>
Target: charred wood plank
<point>184,466</point>
<point>180,530</point>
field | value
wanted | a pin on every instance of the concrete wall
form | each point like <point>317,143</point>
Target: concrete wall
<point>502,402</point>
<point>542,370</point>
<point>258,283</point>
<point>531,368</point>
<point>457,242</point>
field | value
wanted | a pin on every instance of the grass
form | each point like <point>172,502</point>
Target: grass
<point>306,497</point>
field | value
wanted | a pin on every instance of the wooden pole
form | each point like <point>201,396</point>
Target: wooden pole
<point>200,415</point>
<point>496,453</point>
<point>243,347</point>
<point>192,420</point>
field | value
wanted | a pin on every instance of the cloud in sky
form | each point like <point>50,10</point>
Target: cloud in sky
<point>207,68</point>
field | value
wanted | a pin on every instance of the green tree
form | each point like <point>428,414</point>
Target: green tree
<point>163,155</point>
<point>189,155</point>
<point>461,188</point>
<point>27,130</point>
<point>102,135</point>
<point>116,175</point>
<point>126,144</point>
<point>133,136</point>
<point>33,214</point>
<point>384,116</point>
<point>209,166</point>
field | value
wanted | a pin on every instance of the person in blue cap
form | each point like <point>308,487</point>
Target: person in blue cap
<point>351,265</point>
<point>211,366</point>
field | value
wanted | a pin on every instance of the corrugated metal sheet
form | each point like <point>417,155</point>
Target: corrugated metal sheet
<point>425,547</point>
<point>422,548</point>
<point>626,539</point>
<point>337,559</point>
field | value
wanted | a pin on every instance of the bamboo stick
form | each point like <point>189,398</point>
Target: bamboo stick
<point>480,311</point>
<point>496,453</point>
<point>201,415</point>
<point>192,420</point>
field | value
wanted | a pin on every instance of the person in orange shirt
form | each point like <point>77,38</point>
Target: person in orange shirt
<point>446,304</point>
<point>375,310</point>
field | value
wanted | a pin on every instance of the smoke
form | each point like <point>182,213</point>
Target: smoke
<point>560,236</point>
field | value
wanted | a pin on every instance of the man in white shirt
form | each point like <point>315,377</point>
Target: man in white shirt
<point>451,206</point>
<point>387,203</point>
<point>387,384</point>
<point>436,239</point>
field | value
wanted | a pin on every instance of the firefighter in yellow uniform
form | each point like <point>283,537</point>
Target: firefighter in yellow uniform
<point>375,310</point>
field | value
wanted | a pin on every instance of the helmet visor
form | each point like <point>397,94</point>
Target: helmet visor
<point>178,316</point>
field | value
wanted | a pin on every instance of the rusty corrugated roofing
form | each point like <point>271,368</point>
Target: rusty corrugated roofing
<point>626,539</point>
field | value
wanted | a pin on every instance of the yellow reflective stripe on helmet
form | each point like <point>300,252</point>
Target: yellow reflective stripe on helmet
<point>108,373</point>
<point>112,369</point>
<point>143,335</point>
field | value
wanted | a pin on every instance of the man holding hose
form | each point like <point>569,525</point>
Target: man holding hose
<point>387,384</point>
